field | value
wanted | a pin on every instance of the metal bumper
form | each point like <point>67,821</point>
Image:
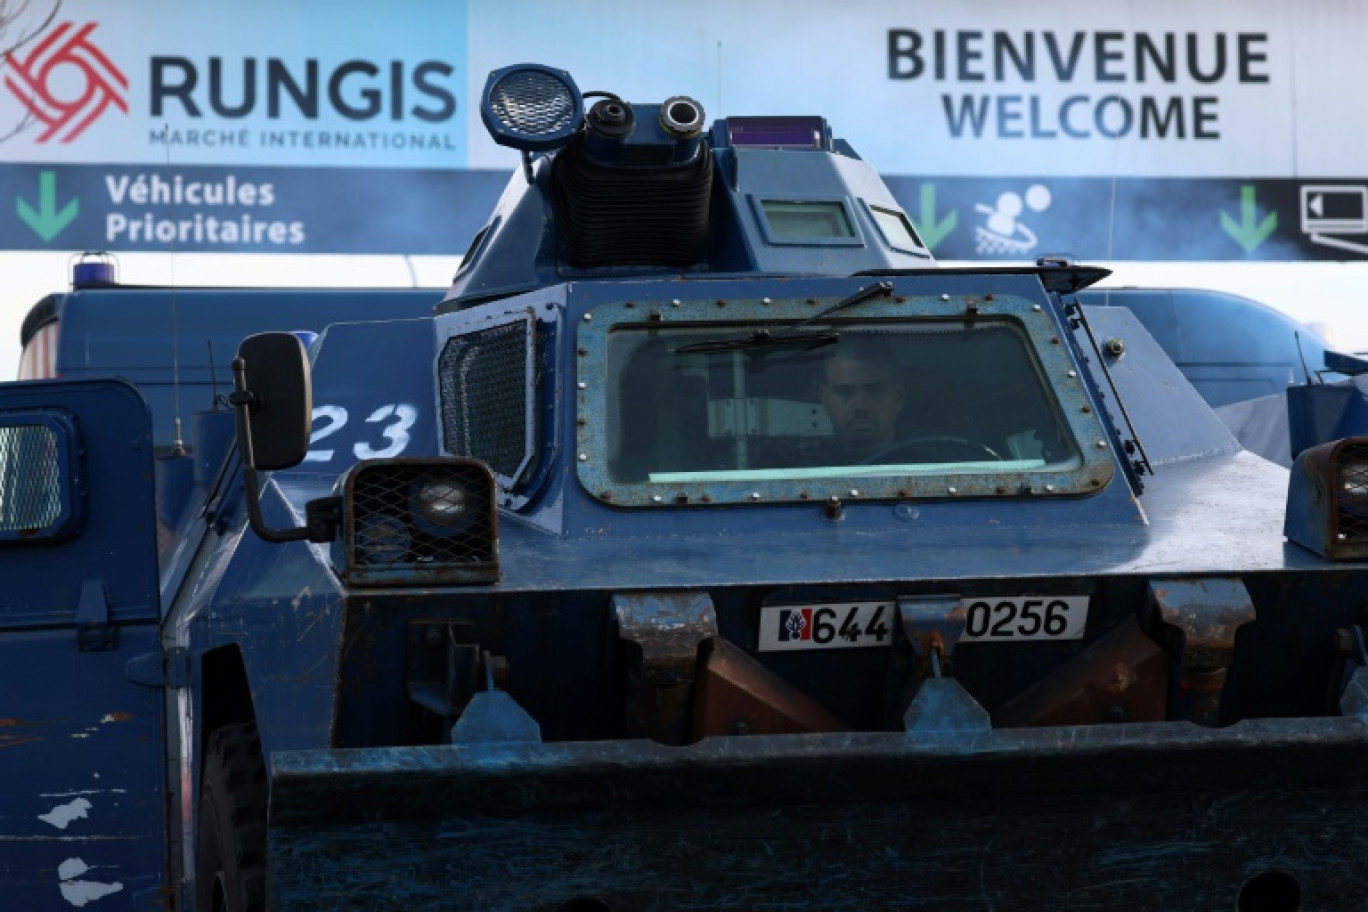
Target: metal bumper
<point>1155,816</point>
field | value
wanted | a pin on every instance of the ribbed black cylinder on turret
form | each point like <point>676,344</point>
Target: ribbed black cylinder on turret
<point>632,215</point>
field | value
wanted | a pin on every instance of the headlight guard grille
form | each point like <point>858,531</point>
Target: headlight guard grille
<point>420,522</point>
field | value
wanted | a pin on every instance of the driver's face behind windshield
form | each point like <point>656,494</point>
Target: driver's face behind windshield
<point>863,399</point>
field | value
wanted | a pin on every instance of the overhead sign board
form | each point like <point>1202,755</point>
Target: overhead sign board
<point>1223,130</point>
<point>252,83</point>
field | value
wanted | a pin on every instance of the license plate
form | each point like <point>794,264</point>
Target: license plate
<point>847,625</point>
<point>1025,617</point>
<point>838,626</point>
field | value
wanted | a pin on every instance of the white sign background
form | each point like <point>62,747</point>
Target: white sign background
<point>1297,113</point>
<point>792,56</point>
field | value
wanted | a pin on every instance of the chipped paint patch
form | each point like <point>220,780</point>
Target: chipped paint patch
<point>15,740</point>
<point>305,593</point>
<point>63,814</point>
<point>80,892</point>
<point>116,717</point>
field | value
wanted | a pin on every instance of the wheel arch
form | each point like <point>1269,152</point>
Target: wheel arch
<point>225,695</point>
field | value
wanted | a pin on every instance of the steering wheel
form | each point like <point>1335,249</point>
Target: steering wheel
<point>932,449</point>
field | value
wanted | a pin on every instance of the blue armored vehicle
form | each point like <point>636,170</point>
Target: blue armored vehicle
<point>1274,382</point>
<point>175,344</point>
<point>706,547</point>
<point>1230,348</point>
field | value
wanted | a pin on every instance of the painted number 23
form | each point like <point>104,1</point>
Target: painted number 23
<point>388,439</point>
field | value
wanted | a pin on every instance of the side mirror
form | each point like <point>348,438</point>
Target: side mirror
<point>274,397</point>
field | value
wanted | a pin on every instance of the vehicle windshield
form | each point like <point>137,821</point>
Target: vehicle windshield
<point>883,399</point>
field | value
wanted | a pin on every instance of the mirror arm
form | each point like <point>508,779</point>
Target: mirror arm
<point>242,399</point>
<point>257,521</point>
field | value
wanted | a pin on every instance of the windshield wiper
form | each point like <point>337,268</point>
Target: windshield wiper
<point>878,289</point>
<point>763,338</point>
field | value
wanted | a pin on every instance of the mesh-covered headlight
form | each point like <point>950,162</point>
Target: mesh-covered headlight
<point>1327,499</point>
<point>420,522</point>
<point>382,539</point>
<point>441,502</point>
<point>531,107</point>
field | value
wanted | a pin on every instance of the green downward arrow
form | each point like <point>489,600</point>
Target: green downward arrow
<point>933,231</point>
<point>1249,232</point>
<point>47,222</point>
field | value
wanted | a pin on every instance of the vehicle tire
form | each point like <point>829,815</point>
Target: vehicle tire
<point>230,852</point>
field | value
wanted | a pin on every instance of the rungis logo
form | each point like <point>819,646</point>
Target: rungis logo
<point>66,82</point>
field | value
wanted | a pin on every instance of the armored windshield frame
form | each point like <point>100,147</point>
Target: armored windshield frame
<point>1060,381</point>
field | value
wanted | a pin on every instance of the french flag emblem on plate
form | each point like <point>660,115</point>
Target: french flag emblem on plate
<point>795,624</point>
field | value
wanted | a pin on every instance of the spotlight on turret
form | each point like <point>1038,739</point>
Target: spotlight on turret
<point>531,108</point>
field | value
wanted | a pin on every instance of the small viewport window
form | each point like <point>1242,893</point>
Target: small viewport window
<point>35,482</point>
<point>807,219</point>
<point>896,228</point>
<point>473,250</point>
